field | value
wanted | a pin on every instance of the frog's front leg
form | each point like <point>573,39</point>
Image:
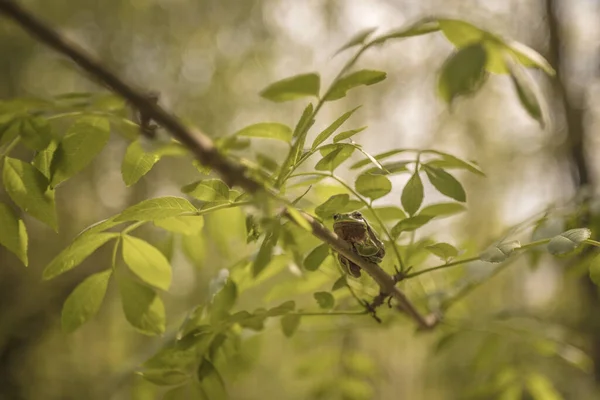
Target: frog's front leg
<point>368,250</point>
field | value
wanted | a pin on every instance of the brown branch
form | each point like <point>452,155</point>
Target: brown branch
<point>200,145</point>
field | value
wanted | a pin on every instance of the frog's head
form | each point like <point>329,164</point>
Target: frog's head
<point>349,224</point>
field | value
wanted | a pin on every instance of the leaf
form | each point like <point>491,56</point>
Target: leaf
<point>461,33</point>
<point>207,190</point>
<point>290,323</point>
<point>305,122</point>
<point>410,224</point>
<point>282,309</point>
<point>373,186</point>
<point>385,213</point>
<point>340,283</point>
<point>165,377</point>
<point>363,77</point>
<point>445,251</point>
<point>157,208</point>
<point>28,188</point>
<point>13,234</point>
<point>186,225</point>
<point>347,134</point>
<point>332,205</point>
<point>524,86</point>
<point>147,262</point>
<point>499,253</point>
<point>315,258</point>
<point>85,301</point>
<point>541,388</point>
<point>412,194</point>
<point>445,183</point>
<point>529,57</point>
<point>43,159</point>
<point>358,38</point>
<point>390,168</point>
<point>323,136</point>
<point>299,219</point>
<point>463,73</point>
<point>263,258</point>
<point>442,209</point>
<point>83,141</point>
<point>137,163</point>
<point>35,132</point>
<point>450,161</point>
<point>594,270</point>
<point>79,250</point>
<point>267,130</point>
<point>143,309</point>
<point>334,158</point>
<point>568,241</point>
<point>378,157</point>
<point>293,88</point>
<point>223,301</point>
<point>325,299</point>
<point>420,28</point>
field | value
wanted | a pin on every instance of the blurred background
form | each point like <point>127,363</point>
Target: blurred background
<point>536,322</point>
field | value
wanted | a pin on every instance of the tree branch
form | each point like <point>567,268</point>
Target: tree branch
<point>199,144</point>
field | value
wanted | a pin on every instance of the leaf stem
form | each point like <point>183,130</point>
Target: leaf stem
<point>132,227</point>
<point>222,206</point>
<point>114,253</point>
<point>10,147</point>
<point>592,242</point>
<point>448,265</point>
<point>322,314</point>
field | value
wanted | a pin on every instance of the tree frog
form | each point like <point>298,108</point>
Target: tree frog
<point>354,229</point>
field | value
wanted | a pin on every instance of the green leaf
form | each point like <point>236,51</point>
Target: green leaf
<point>165,377</point>
<point>13,234</point>
<point>186,225</point>
<point>445,183</point>
<point>385,213</point>
<point>323,136</point>
<point>305,122</point>
<point>340,283</point>
<point>85,301</point>
<point>524,86</point>
<point>43,159</point>
<point>290,323</point>
<point>223,301</point>
<point>332,205</point>
<point>28,188</point>
<point>410,224</point>
<point>147,262</point>
<point>594,270</point>
<point>442,209</point>
<point>267,130</point>
<point>499,253</point>
<point>35,132</point>
<point>358,38</point>
<point>137,163</point>
<point>420,28</point>
<point>83,141</point>
<point>445,251</point>
<point>334,158</point>
<point>449,161</point>
<point>373,186</point>
<point>378,157</point>
<point>461,33</point>
<point>390,168</point>
<point>412,194</point>
<point>315,258</point>
<point>529,57</point>
<point>143,309</point>
<point>293,88</point>
<point>282,309</point>
<point>325,299</point>
<point>300,220</point>
<point>79,250</point>
<point>568,241</point>
<point>155,209</point>
<point>208,190</point>
<point>263,258</point>
<point>363,77</point>
<point>541,388</point>
<point>347,134</point>
<point>463,73</point>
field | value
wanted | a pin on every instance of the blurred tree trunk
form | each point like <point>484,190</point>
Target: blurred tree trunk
<point>572,105</point>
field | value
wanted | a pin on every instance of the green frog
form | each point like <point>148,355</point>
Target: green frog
<point>354,229</point>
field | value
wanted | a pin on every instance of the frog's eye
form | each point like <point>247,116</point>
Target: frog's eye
<point>336,216</point>
<point>356,214</point>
